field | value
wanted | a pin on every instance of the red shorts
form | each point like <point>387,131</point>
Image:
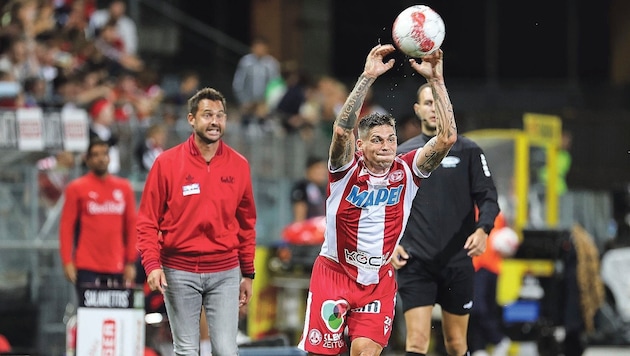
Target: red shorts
<point>336,301</point>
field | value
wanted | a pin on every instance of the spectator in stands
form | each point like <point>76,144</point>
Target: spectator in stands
<point>72,24</point>
<point>110,46</point>
<point>126,28</point>
<point>18,60</point>
<point>45,18</point>
<point>150,95</point>
<point>310,113</point>
<point>332,93</point>
<point>75,91</point>
<point>308,195</point>
<point>52,62</point>
<point>176,107</point>
<point>288,108</point>
<point>19,18</point>
<point>125,95</point>
<point>97,236</point>
<point>67,11</point>
<point>188,86</point>
<point>11,95</point>
<point>253,74</point>
<point>101,127</point>
<point>34,92</point>
<point>53,174</point>
<point>153,144</point>
<point>371,106</point>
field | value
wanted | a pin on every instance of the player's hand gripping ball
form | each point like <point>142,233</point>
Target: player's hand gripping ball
<point>418,30</point>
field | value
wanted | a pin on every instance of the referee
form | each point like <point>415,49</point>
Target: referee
<point>434,257</point>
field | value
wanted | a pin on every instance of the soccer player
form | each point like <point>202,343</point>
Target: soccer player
<point>370,193</point>
<point>97,236</point>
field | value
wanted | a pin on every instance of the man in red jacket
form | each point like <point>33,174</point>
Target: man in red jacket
<point>196,231</point>
<point>97,236</point>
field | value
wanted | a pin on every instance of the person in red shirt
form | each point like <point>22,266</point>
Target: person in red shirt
<point>97,237</point>
<point>196,230</point>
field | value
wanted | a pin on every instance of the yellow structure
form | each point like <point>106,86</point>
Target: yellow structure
<point>508,152</point>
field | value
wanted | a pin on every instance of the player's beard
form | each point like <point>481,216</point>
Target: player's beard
<point>202,134</point>
<point>100,171</point>
<point>429,126</point>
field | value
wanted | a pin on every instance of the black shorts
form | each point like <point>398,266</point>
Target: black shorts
<point>421,284</point>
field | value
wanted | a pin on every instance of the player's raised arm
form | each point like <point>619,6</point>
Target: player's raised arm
<point>343,141</point>
<point>446,130</point>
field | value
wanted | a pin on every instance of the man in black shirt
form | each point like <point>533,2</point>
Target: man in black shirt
<point>308,195</point>
<point>434,257</point>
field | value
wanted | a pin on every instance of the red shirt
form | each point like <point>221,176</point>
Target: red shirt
<point>196,216</point>
<point>366,215</point>
<point>97,228</point>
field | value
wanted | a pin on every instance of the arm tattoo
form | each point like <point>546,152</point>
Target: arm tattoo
<point>432,158</point>
<point>351,108</point>
<point>445,127</point>
<point>340,151</point>
<point>342,145</point>
<point>444,108</point>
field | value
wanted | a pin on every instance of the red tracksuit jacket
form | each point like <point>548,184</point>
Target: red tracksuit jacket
<point>196,216</point>
<point>97,228</point>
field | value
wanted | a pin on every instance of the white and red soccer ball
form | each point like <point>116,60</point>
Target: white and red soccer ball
<point>418,30</point>
<point>505,241</point>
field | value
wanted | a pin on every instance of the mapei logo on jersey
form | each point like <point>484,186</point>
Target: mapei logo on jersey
<point>450,162</point>
<point>364,260</point>
<point>366,199</point>
<point>372,308</point>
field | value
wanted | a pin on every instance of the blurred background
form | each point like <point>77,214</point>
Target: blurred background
<point>534,82</point>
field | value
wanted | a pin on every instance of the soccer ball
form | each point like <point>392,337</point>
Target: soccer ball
<point>418,30</point>
<point>505,241</point>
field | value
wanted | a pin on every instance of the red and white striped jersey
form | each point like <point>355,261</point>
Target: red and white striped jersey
<point>366,214</point>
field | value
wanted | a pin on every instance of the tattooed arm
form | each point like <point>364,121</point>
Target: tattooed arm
<point>343,140</point>
<point>446,130</point>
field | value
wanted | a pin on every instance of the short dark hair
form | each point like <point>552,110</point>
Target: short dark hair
<point>375,119</point>
<point>313,160</point>
<point>420,89</point>
<point>205,93</point>
<point>96,142</point>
